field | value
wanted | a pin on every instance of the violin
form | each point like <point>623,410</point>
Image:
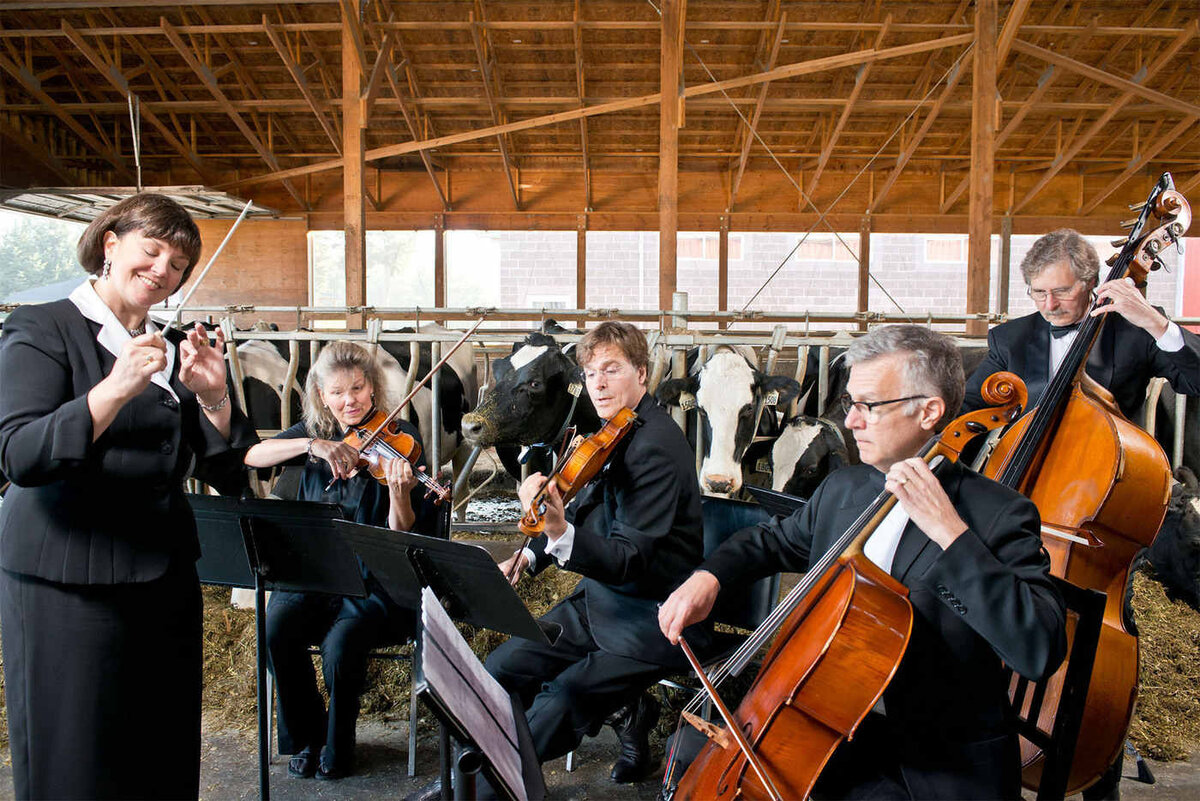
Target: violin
<point>581,463</point>
<point>839,638</point>
<point>378,441</point>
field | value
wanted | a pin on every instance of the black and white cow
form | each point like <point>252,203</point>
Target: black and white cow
<point>807,450</point>
<point>529,401</point>
<point>731,395</point>
<point>1175,553</point>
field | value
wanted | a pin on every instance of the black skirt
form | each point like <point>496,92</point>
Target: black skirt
<point>103,686</point>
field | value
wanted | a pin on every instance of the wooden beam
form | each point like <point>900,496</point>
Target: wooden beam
<point>37,151</point>
<point>674,12</point>
<point>1162,60</point>
<point>210,82</point>
<point>787,71</point>
<point>1137,164</point>
<point>276,36</point>
<point>956,74</point>
<point>577,33</point>
<point>752,126</point>
<point>439,261</point>
<point>860,80</point>
<point>864,268</point>
<point>121,84</point>
<point>581,266</point>
<point>1012,23</point>
<point>485,74</point>
<point>32,85</point>
<point>382,61</point>
<point>411,122</point>
<point>1124,84</point>
<point>983,164</point>
<point>355,44</point>
<point>723,268</point>
<point>354,216</point>
<point>1006,230</point>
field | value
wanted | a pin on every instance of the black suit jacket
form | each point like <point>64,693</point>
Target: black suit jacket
<point>985,600</point>
<point>638,536</point>
<point>1123,360</point>
<point>112,511</point>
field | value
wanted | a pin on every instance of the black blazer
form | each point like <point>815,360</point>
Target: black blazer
<point>638,536</point>
<point>988,598</point>
<point>1123,360</point>
<point>108,512</point>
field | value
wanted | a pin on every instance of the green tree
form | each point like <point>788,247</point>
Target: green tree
<point>35,251</point>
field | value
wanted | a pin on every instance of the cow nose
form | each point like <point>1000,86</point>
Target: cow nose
<point>471,428</point>
<point>718,484</point>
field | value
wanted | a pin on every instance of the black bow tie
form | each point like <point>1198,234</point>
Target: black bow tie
<point>1058,331</point>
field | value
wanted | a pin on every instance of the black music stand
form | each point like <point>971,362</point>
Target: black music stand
<point>464,577</point>
<point>488,725</point>
<point>285,545</point>
<point>775,502</point>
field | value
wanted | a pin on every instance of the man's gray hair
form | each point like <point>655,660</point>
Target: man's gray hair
<point>933,367</point>
<point>1058,246</point>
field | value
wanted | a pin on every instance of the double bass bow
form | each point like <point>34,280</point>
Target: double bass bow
<point>839,637</point>
<point>1101,486</point>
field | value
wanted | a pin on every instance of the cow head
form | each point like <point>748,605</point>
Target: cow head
<point>809,449</point>
<point>729,393</point>
<point>528,400</point>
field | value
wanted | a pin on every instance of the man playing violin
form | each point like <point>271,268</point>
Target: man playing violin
<point>1137,344</point>
<point>966,548</point>
<point>634,533</point>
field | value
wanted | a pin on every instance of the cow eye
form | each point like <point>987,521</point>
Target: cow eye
<point>535,384</point>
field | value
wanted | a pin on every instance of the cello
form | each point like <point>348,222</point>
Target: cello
<point>841,635</point>
<point>1101,485</point>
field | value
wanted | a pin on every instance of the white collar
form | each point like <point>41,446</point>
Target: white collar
<point>113,335</point>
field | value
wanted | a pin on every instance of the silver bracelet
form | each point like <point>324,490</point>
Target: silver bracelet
<point>308,450</point>
<point>216,407</point>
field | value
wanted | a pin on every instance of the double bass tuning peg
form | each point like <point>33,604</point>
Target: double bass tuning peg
<point>1137,207</point>
<point>1127,224</point>
<point>1111,260</point>
<point>1118,243</point>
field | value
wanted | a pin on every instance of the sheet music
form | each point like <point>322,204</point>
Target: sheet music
<point>475,699</point>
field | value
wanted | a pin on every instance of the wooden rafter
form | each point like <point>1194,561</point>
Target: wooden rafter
<point>121,84</point>
<point>351,21</point>
<point>748,131</point>
<point>32,85</point>
<point>277,40</point>
<point>37,151</point>
<point>1012,24</point>
<point>1162,60</point>
<point>860,80</point>
<point>483,58</point>
<point>577,34</point>
<point>1135,166</point>
<point>956,75</point>
<point>411,122</point>
<point>210,82</point>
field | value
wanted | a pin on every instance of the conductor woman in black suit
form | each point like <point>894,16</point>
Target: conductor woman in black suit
<point>101,420</point>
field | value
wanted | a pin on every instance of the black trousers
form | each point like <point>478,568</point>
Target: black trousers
<point>103,686</point>
<point>568,689</point>
<point>346,631</point>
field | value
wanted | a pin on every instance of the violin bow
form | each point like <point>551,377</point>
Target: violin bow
<point>179,309</point>
<point>730,725</point>
<point>374,435</point>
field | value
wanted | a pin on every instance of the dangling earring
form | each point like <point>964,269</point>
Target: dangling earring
<point>106,269</point>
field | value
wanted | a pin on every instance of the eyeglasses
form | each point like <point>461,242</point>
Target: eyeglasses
<point>610,372</point>
<point>867,408</point>
<point>1059,293</point>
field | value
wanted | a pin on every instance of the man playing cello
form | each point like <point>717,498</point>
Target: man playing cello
<point>968,551</point>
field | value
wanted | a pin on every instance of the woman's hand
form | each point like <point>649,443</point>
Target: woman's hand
<point>202,365</point>
<point>401,478</point>
<point>140,358</point>
<point>341,457</point>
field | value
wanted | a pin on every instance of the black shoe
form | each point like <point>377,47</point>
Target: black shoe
<point>430,792</point>
<point>303,765</point>
<point>633,731</point>
<point>330,770</point>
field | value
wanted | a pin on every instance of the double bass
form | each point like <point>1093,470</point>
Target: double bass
<point>1101,485</point>
<point>839,638</point>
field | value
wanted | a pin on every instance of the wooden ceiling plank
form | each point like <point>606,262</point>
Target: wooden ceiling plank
<point>790,70</point>
<point>1165,57</point>
<point>1136,166</point>
<point>411,122</point>
<point>206,77</point>
<point>860,81</point>
<point>121,84</point>
<point>37,151</point>
<point>1124,84</point>
<point>485,75</point>
<point>31,85</point>
<point>749,129</point>
<point>276,37</point>
<point>951,84</point>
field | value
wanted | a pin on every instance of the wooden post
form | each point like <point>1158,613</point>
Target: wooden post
<point>581,268</point>
<point>439,261</point>
<point>1005,264</point>
<point>670,65</point>
<point>983,167</point>
<point>723,270</point>
<point>353,189</point>
<point>864,268</point>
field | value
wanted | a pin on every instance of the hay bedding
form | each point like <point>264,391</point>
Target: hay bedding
<point>1166,725</point>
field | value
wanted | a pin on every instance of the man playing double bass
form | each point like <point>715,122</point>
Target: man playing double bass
<point>1137,344</point>
<point>968,551</point>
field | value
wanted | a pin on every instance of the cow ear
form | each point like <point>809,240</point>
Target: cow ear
<point>501,368</point>
<point>668,391</point>
<point>787,388</point>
